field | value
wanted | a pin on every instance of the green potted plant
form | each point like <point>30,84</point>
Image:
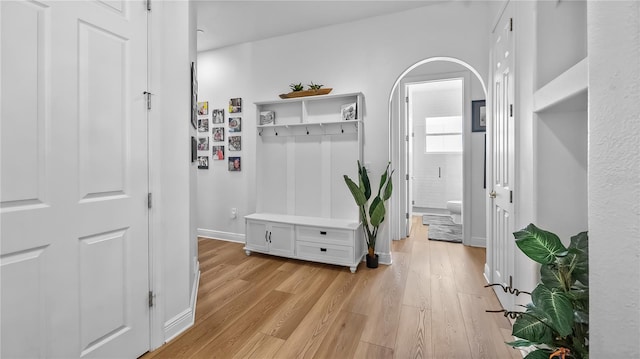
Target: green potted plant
<point>296,87</point>
<point>556,323</point>
<point>372,211</point>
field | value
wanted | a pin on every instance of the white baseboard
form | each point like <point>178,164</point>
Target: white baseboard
<point>385,258</point>
<point>487,273</point>
<point>184,320</point>
<point>478,242</point>
<point>224,236</point>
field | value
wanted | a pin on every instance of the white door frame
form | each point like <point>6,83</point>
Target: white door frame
<point>466,144</point>
<point>398,155</point>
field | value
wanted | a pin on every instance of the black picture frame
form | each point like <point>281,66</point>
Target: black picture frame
<point>194,149</point>
<point>194,96</point>
<point>478,116</point>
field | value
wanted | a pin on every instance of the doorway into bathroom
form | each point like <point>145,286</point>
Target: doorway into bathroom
<point>435,117</point>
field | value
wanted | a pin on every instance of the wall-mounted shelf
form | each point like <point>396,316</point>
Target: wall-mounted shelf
<point>567,91</point>
<point>313,128</point>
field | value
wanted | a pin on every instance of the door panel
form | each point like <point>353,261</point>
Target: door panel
<point>281,239</point>
<point>74,251</point>
<point>502,132</point>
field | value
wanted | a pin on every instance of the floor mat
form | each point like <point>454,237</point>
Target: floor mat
<point>442,228</point>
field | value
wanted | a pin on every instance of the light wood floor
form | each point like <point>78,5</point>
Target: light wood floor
<point>429,304</point>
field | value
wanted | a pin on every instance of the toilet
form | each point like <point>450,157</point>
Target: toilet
<point>455,210</point>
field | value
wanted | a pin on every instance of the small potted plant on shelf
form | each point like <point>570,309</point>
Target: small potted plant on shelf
<point>556,323</point>
<point>372,211</point>
<point>297,90</point>
<point>314,87</point>
<point>296,87</point>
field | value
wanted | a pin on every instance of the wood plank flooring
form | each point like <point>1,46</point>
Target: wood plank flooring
<point>429,304</point>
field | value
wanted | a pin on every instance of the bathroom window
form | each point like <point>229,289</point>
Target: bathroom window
<point>443,134</point>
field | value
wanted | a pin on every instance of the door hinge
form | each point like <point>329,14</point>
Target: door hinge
<point>511,110</point>
<point>511,24</point>
<point>148,5</point>
<point>406,99</point>
<point>151,296</point>
<point>148,94</point>
<point>413,202</point>
<point>407,215</point>
<point>407,176</point>
<point>406,138</point>
<point>510,196</point>
<point>149,200</point>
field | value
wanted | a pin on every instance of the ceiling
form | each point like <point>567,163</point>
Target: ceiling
<point>226,23</point>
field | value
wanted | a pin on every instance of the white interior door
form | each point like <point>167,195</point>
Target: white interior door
<point>74,245</point>
<point>502,151</point>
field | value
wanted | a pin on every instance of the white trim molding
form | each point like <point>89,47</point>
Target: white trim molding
<point>224,236</point>
<point>184,320</point>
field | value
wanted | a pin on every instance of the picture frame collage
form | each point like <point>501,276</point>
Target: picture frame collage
<point>213,128</point>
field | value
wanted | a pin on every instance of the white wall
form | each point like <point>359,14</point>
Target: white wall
<point>361,56</point>
<point>614,178</point>
<point>172,177</point>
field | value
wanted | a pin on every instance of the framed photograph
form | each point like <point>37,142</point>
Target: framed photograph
<point>218,153</point>
<point>218,134</point>
<point>203,143</point>
<point>235,105</point>
<point>478,116</point>
<point>194,95</point>
<point>217,115</point>
<point>203,108</point>
<point>235,124</point>
<point>267,118</point>
<point>349,111</point>
<point>234,164</point>
<point>203,125</point>
<point>235,143</point>
<point>194,150</point>
<point>203,162</point>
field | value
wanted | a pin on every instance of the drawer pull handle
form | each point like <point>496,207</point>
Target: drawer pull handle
<point>323,249</point>
<point>324,233</point>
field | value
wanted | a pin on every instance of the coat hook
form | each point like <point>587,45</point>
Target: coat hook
<point>341,129</point>
<point>307,129</point>
<point>274,131</point>
<point>260,133</point>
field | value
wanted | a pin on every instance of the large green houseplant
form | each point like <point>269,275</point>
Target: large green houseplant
<point>556,323</point>
<point>372,211</point>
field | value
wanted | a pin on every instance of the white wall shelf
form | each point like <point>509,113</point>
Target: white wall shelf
<point>317,128</point>
<point>567,91</point>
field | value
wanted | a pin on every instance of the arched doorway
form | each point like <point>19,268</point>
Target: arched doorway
<point>474,144</point>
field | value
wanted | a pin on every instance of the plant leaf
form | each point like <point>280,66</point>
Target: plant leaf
<point>539,354</point>
<point>389,188</point>
<point>357,193</point>
<point>581,317</point>
<point>550,276</point>
<point>539,245</point>
<point>531,327</point>
<point>376,212</point>
<point>365,185</point>
<point>556,306</point>
<point>580,247</point>
<point>383,179</point>
<point>520,343</point>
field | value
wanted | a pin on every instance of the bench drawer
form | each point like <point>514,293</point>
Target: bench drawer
<point>324,235</point>
<point>328,253</point>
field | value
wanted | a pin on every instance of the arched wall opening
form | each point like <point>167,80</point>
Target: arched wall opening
<point>474,143</point>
